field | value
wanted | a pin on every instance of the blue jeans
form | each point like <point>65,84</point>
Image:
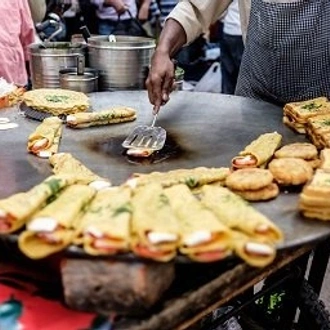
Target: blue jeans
<point>106,27</point>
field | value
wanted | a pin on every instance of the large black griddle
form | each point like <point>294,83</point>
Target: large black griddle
<point>203,130</point>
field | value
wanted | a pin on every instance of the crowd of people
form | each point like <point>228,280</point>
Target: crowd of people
<point>103,17</point>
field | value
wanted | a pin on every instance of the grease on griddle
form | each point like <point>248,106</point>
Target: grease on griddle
<point>113,148</point>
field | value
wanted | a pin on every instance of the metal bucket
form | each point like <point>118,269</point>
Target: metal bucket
<point>123,65</point>
<point>49,58</point>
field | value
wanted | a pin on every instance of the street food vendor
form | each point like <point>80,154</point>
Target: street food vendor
<point>286,54</point>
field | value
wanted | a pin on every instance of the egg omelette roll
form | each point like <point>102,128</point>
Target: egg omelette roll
<point>112,116</point>
<point>155,231</point>
<point>258,152</point>
<point>51,229</point>
<point>105,226</point>
<point>44,141</point>
<point>203,237</point>
<point>253,251</point>
<point>233,211</point>
<point>193,178</point>
<point>16,209</point>
<point>65,164</point>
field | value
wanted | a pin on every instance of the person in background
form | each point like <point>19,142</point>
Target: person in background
<point>286,55</point>
<point>231,47</point>
<point>38,10</point>
<point>110,11</point>
<point>16,33</point>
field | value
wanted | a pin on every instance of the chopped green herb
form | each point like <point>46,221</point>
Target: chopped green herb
<point>163,200</point>
<point>191,182</point>
<point>56,98</point>
<point>311,106</point>
<point>126,208</point>
<point>54,185</point>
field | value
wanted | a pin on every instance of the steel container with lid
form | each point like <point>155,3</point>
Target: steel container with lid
<point>80,78</point>
<point>47,59</point>
<point>123,64</point>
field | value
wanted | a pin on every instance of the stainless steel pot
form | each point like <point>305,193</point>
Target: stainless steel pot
<point>85,83</point>
<point>49,58</point>
<point>123,64</point>
<point>79,78</point>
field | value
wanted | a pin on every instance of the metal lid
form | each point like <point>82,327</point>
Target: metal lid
<point>71,74</point>
<point>57,48</point>
<point>122,42</point>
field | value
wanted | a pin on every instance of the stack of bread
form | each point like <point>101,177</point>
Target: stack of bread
<point>318,130</point>
<point>297,114</point>
<point>314,199</point>
<point>253,184</point>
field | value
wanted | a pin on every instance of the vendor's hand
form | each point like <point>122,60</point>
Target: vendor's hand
<point>119,5</point>
<point>160,79</point>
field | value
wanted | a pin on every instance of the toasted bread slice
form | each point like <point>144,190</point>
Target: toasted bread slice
<point>325,159</point>
<point>299,128</point>
<point>301,111</point>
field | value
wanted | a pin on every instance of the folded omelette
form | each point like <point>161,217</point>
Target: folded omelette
<point>254,251</point>
<point>66,164</point>
<point>258,152</point>
<point>44,141</point>
<point>51,229</point>
<point>155,231</point>
<point>115,115</point>
<point>104,228</point>
<point>234,212</point>
<point>193,178</point>
<point>203,237</point>
<point>17,209</point>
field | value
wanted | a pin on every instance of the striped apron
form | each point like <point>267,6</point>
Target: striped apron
<point>287,53</point>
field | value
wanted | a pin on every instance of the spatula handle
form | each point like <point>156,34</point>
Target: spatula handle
<point>154,120</point>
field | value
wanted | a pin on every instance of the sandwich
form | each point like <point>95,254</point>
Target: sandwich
<point>296,114</point>
<point>112,116</point>
<point>50,230</point>
<point>155,227</point>
<point>203,237</point>
<point>318,130</point>
<point>44,141</point>
<point>259,152</point>
<point>18,208</point>
<point>235,213</point>
<point>255,252</point>
<point>193,178</point>
<point>66,164</point>
<point>104,229</point>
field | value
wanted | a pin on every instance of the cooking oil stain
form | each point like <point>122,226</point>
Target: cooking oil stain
<point>112,147</point>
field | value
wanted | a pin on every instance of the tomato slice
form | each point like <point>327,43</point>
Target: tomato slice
<point>104,245</point>
<point>210,255</point>
<point>145,252</point>
<point>48,237</point>
<point>244,161</point>
<point>4,225</point>
<point>6,222</point>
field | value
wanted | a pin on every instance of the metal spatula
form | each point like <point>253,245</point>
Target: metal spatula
<point>146,137</point>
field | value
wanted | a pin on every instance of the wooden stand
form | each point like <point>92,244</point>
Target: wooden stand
<point>103,286</point>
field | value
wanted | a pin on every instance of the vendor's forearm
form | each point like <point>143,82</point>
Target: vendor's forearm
<point>172,38</point>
